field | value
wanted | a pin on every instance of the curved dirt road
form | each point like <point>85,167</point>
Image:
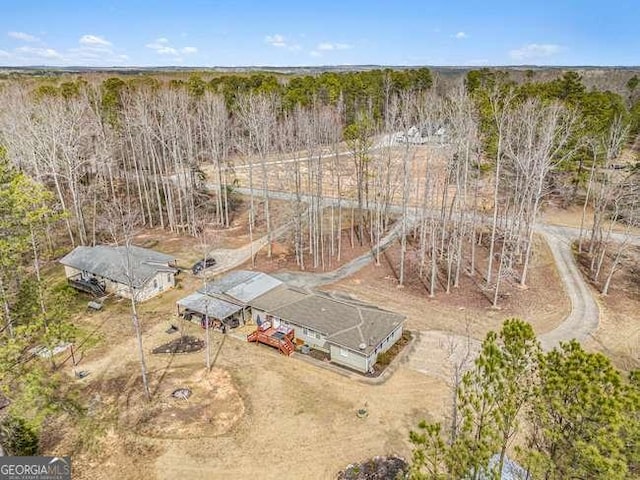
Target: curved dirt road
<point>583,318</point>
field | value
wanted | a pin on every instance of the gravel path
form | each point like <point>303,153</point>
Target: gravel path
<point>227,259</point>
<point>583,318</point>
<point>313,280</point>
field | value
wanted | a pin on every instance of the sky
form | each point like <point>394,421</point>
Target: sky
<point>333,32</point>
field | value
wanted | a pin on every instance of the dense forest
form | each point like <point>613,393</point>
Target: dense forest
<point>80,157</point>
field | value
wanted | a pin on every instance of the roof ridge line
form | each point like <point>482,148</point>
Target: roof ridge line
<point>284,304</point>
<point>357,325</point>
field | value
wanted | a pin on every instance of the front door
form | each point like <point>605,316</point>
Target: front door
<point>275,321</point>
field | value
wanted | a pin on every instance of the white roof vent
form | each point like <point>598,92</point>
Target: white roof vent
<point>362,346</point>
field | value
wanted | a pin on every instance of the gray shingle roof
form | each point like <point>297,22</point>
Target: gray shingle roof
<point>345,322</point>
<point>111,262</point>
<point>210,306</point>
<point>278,297</point>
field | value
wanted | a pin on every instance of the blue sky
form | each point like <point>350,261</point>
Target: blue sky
<point>293,33</point>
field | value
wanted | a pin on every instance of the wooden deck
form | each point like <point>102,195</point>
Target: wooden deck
<point>93,288</point>
<point>274,337</point>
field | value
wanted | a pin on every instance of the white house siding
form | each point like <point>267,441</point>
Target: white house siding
<point>385,345</point>
<point>255,313</point>
<point>348,358</point>
<point>161,282</point>
<point>109,286</point>
<point>114,287</point>
<point>70,271</point>
<point>308,336</point>
<point>362,363</point>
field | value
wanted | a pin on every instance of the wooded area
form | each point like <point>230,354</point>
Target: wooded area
<point>459,172</point>
<point>175,154</point>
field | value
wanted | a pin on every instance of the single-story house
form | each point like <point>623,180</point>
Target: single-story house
<point>225,300</point>
<point>353,333</point>
<point>120,270</point>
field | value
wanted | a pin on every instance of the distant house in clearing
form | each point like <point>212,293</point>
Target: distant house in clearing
<point>351,332</point>
<point>434,133</point>
<point>107,269</point>
<point>225,300</point>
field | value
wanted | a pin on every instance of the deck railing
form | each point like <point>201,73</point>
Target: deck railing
<point>284,344</point>
<point>87,286</point>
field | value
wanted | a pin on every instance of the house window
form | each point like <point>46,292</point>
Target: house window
<point>168,277</point>
<point>318,336</point>
<point>155,283</point>
<point>344,353</point>
<point>305,331</point>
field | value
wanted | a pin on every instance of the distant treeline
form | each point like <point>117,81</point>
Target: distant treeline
<point>352,91</point>
<point>597,108</point>
<point>371,90</point>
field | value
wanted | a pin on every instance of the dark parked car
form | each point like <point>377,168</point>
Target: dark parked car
<point>203,264</point>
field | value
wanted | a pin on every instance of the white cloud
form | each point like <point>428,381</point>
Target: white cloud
<point>25,37</point>
<point>3,54</point>
<point>315,53</point>
<point>280,41</point>
<point>461,35</point>
<point>162,46</point>
<point>276,40</point>
<point>533,51</point>
<point>91,50</point>
<point>328,46</point>
<point>47,53</point>
<point>94,41</point>
<point>164,50</point>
